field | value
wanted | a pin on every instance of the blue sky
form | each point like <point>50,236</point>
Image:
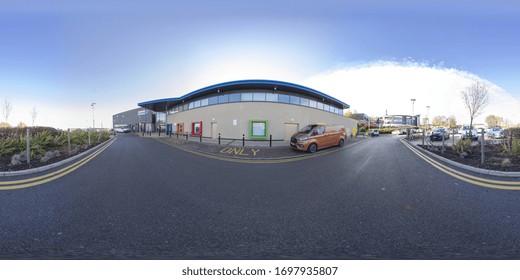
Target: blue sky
<point>60,56</point>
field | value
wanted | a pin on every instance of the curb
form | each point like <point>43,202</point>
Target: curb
<point>466,167</point>
<point>53,165</point>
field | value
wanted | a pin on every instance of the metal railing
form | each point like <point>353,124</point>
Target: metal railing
<point>219,139</point>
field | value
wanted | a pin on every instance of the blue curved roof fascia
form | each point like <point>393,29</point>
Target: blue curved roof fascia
<point>212,88</point>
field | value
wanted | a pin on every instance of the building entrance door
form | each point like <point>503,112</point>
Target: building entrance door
<point>290,129</point>
<point>214,130</point>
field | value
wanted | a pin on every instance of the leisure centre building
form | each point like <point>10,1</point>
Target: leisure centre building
<point>255,109</point>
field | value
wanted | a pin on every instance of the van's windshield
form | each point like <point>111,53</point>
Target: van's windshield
<point>308,128</point>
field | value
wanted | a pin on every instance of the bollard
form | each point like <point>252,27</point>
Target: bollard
<point>453,138</point>
<point>423,136</point>
<point>88,136</point>
<point>186,136</point>
<point>243,140</point>
<point>270,140</point>
<point>442,148</point>
<point>28,146</point>
<point>219,138</point>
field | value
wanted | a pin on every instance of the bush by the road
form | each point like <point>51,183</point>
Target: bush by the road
<point>44,139</point>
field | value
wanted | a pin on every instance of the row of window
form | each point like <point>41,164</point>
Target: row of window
<point>256,97</point>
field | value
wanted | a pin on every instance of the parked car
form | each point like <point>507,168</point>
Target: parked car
<point>374,132</point>
<point>396,132</point>
<point>122,129</point>
<point>496,132</point>
<point>318,136</point>
<point>466,131</point>
<point>439,133</point>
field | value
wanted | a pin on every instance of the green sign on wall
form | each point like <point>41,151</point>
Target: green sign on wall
<point>258,129</point>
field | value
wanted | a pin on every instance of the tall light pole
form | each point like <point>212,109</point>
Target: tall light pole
<point>413,101</point>
<point>93,122</point>
<point>428,124</point>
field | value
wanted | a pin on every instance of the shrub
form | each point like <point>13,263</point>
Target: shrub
<point>515,132</point>
<point>512,147</point>
<point>12,145</point>
<point>79,137</point>
<point>42,142</point>
<point>462,146</point>
<point>44,139</point>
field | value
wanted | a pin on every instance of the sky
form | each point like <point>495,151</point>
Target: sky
<point>59,57</point>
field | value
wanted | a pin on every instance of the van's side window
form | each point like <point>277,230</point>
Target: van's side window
<point>320,130</point>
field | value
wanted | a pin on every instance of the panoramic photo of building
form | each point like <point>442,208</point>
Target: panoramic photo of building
<point>256,109</point>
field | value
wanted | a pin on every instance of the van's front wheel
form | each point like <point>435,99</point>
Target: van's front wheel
<point>312,148</point>
<point>341,142</point>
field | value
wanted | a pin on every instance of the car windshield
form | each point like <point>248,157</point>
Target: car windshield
<point>307,129</point>
<point>439,130</point>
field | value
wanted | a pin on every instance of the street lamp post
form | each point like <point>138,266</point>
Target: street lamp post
<point>413,101</point>
<point>93,121</point>
<point>428,124</point>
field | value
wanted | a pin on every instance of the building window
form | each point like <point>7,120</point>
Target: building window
<point>271,97</point>
<point>258,96</point>
<point>213,100</point>
<point>282,98</point>
<point>258,129</point>
<point>247,97</point>
<point>235,97</point>
<point>294,100</point>
<point>196,128</point>
<point>255,97</point>
<point>223,98</point>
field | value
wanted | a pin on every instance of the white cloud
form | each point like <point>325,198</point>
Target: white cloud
<point>388,86</point>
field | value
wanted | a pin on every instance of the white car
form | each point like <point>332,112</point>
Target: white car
<point>122,129</point>
<point>465,133</point>
<point>496,132</point>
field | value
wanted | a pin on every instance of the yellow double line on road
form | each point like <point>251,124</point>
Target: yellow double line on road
<point>31,182</point>
<point>483,182</point>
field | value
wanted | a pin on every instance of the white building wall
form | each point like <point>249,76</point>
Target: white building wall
<point>232,119</point>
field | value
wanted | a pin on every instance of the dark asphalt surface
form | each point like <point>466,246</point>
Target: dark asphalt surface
<point>143,199</point>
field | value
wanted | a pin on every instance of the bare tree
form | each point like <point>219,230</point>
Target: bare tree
<point>475,99</point>
<point>34,114</point>
<point>6,108</point>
